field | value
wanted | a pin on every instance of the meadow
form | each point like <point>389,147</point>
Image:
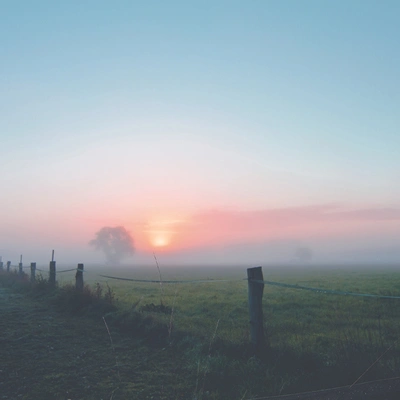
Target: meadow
<point>316,340</point>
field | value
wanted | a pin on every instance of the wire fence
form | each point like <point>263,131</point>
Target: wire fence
<point>209,280</point>
<point>317,290</point>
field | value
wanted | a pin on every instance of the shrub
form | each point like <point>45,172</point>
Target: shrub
<point>68,299</point>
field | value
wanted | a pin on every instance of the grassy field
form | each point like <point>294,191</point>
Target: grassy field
<point>199,332</point>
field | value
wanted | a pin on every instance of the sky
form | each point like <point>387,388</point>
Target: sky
<point>215,131</point>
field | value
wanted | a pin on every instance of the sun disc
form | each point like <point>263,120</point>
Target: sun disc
<point>160,241</point>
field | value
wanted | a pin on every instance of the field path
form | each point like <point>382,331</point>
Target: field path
<point>49,355</point>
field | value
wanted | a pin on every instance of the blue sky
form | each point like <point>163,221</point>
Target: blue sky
<point>235,105</point>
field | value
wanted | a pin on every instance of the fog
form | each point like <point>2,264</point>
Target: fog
<point>281,253</point>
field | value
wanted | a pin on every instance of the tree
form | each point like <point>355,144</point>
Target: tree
<point>115,242</point>
<point>303,254</point>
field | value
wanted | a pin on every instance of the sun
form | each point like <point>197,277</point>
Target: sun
<point>159,240</point>
<point>162,231</point>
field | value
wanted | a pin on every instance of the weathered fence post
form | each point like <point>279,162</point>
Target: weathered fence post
<point>33,272</point>
<point>20,266</point>
<point>256,290</point>
<point>52,273</point>
<point>79,278</point>
<point>8,266</point>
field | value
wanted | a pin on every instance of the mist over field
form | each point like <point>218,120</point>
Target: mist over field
<point>276,253</point>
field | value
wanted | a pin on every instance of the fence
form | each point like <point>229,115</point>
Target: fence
<point>255,280</point>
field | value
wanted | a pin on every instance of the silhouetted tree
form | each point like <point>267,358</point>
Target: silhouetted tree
<point>115,242</point>
<point>303,254</point>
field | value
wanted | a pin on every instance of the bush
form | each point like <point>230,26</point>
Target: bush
<point>137,325</point>
<point>14,279</point>
<point>68,299</point>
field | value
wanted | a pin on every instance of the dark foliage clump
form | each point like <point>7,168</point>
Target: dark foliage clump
<point>138,325</point>
<point>69,299</point>
<point>14,279</point>
<point>161,308</point>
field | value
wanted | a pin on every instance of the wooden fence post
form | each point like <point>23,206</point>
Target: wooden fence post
<point>33,272</point>
<point>52,273</point>
<point>79,278</point>
<point>8,266</point>
<point>20,266</point>
<point>256,290</point>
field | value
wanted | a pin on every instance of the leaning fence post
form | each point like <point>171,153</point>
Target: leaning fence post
<point>33,272</point>
<point>256,289</point>
<point>79,278</point>
<point>8,266</point>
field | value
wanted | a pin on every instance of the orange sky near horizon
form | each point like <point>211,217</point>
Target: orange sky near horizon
<point>221,227</point>
<point>175,233</point>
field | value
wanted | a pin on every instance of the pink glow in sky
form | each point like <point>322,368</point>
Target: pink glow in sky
<point>178,195</point>
<point>230,132</point>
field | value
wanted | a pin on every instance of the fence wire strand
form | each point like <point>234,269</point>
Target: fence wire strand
<point>327,291</point>
<point>168,281</point>
<point>67,270</point>
<point>324,391</point>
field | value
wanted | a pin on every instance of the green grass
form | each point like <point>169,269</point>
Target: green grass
<point>317,340</point>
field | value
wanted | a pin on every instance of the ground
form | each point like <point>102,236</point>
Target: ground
<point>386,389</point>
<point>48,355</point>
